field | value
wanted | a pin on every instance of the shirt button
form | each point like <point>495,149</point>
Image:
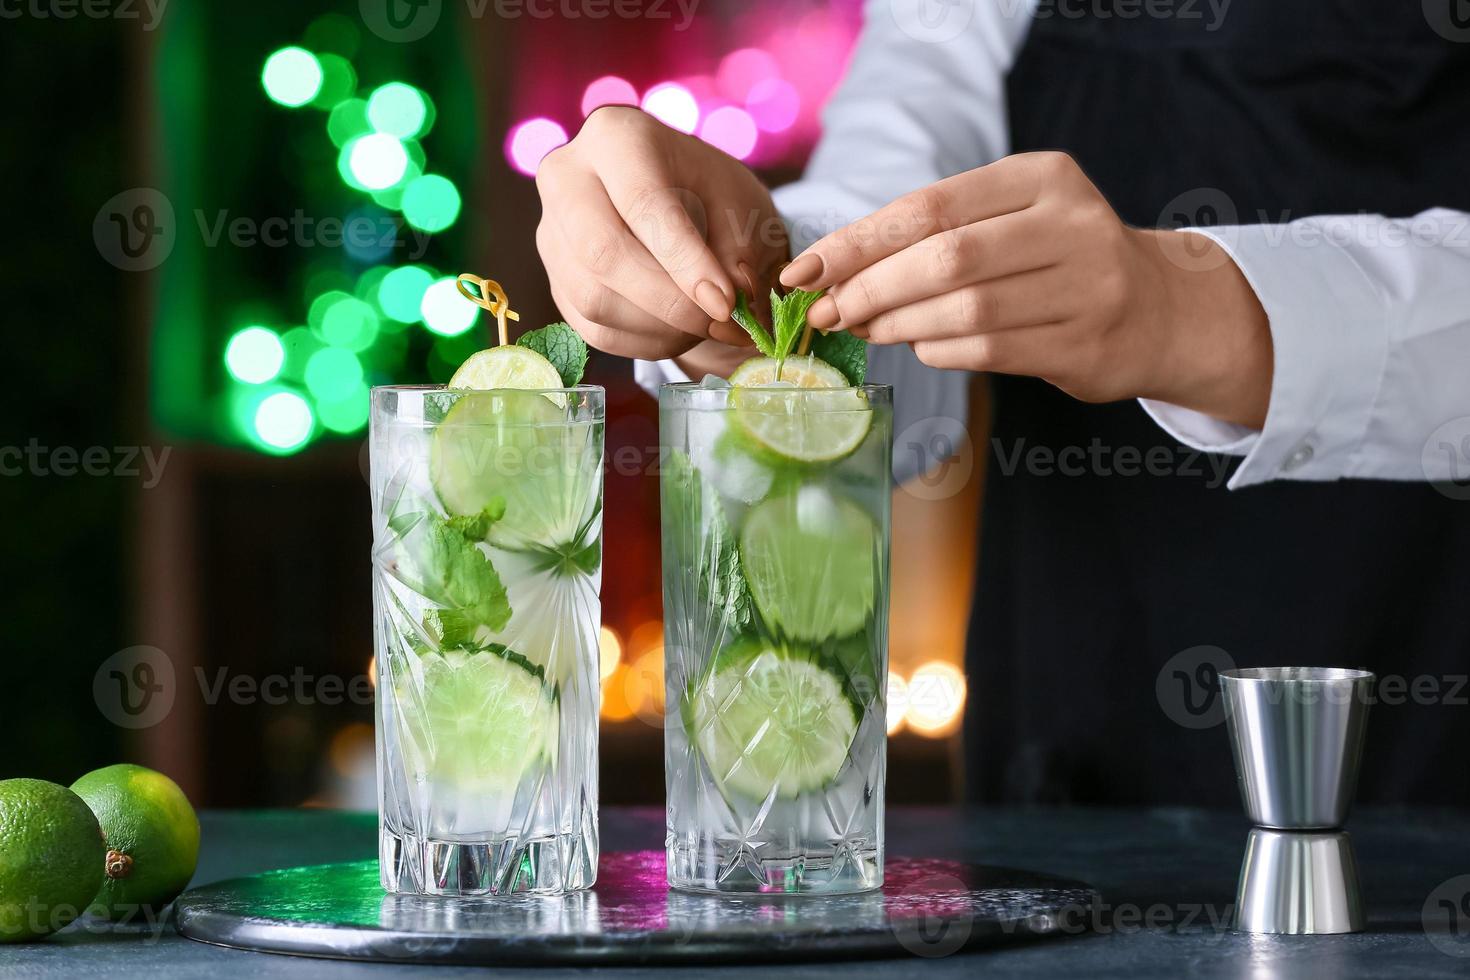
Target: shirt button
<point>1299,458</point>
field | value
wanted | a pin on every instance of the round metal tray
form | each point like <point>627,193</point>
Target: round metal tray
<point>925,908</point>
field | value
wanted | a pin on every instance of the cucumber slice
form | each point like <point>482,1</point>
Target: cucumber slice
<point>767,719</point>
<point>810,559</point>
<point>823,422</point>
<point>481,719</point>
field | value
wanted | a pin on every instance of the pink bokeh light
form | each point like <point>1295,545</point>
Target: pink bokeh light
<point>673,105</point>
<point>730,129</point>
<point>608,90</point>
<point>774,104</point>
<point>530,141</point>
<point>739,70</point>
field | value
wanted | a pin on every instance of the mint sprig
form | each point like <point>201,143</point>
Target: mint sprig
<point>563,347</point>
<point>843,351</point>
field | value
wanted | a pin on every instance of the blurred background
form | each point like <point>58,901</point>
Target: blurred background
<point>228,222</point>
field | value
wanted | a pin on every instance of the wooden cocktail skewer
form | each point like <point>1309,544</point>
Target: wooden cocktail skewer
<point>491,297</point>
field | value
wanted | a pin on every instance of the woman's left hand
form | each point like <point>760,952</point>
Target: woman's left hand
<point>1022,267</point>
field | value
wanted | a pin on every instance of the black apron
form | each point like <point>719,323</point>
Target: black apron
<point>1095,591</point>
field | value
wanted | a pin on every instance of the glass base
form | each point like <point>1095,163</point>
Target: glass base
<point>724,867</point>
<point>510,866</point>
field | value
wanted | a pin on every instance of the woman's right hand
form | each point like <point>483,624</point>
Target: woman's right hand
<point>646,233</point>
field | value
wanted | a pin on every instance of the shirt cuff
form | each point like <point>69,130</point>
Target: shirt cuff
<point>1330,347</point>
<point>650,374</point>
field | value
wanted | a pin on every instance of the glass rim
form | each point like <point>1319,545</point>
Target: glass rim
<point>687,386</point>
<point>1295,675</point>
<point>582,389</point>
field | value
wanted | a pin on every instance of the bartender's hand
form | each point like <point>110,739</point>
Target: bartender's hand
<point>1022,267</point>
<point>646,233</point>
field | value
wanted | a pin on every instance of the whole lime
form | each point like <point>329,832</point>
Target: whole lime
<point>50,858</point>
<point>152,836</point>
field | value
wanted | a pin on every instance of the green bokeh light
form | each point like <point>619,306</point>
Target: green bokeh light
<point>347,414</point>
<point>431,203</point>
<point>368,283</point>
<point>392,198</point>
<point>283,422</point>
<point>333,374</point>
<point>337,33</point>
<point>255,355</point>
<point>399,110</point>
<point>376,161</point>
<point>402,292</point>
<point>300,343</point>
<point>317,312</point>
<point>444,311</point>
<point>339,81</point>
<point>347,121</point>
<point>348,322</point>
<point>292,76</point>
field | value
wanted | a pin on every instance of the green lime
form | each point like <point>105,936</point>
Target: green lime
<point>152,838</point>
<point>507,367</point>
<point>810,414</point>
<point>812,560</point>
<point>478,721</point>
<point>520,448</point>
<point>51,855</point>
<point>768,719</point>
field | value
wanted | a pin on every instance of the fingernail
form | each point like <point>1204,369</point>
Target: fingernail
<point>712,300</point>
<point>802,272</point>
<point>823,315</point>
<point>749,277</point>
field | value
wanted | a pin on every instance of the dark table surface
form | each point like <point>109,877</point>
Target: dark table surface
<point>1167,878</point>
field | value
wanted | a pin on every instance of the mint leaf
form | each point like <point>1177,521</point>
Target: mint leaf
<point>743,316</point>
<point>438,559</point>
<point>845,352</point>
<point>694,521</point>
<point>563,347</point>
<point>789,314</point>
<point>476,527</point>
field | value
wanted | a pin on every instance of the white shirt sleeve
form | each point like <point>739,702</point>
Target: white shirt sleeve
<point>923,99</point>
<point>1370,319</point>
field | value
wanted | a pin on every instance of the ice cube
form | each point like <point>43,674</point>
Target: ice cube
<point>713,381</point>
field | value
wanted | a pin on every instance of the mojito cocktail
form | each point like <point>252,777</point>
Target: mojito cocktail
<point>775,514</point>
<point>487,532</point>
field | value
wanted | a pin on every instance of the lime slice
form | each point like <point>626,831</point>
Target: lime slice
<point>811,560</point>
<point>518,447</point>
<point>480,720</point>
<point>510,366</point>
<point>769,720</point>
<point>826,421</point>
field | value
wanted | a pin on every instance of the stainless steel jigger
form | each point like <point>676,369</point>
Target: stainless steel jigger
<point>1297,735</point>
